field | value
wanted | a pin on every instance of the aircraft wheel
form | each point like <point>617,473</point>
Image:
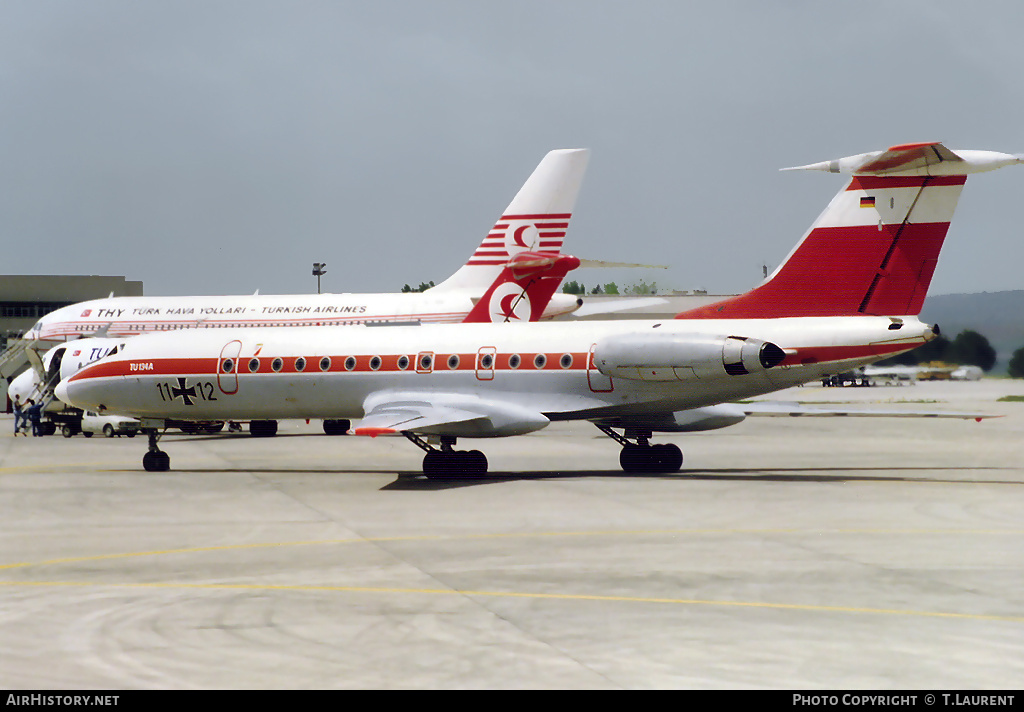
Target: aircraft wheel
<point>108,431</point>
<point>158,461</point>
<point>433,463</point>
<point>337,427</point>
<point>632,458</point>
<point>668,457</point>
<point>263,428</point>
<point>474,463</point>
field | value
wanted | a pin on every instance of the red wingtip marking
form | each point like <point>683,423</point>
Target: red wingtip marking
<point>909,146</point>
<point>374,432</point>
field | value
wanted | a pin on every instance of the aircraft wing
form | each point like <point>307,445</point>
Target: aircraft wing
<point>781,408</point>
<point>458,414</point>
<point>591,308</point>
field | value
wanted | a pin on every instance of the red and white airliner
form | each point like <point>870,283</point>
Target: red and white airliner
<point>847,295</point>
<point>527,236</point>
<point>535,221</point>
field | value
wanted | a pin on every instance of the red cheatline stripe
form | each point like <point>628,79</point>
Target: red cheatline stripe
<point>874,182</point>
<point>389,362</point>
<point>539,216</point>
<point>826,354</point>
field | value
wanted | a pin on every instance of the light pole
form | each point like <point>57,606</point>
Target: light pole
<point>318,269</point>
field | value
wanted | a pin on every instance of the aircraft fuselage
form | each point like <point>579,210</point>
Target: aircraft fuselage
<point>563,370</point>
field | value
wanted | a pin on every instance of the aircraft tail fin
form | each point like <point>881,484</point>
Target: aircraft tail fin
<point>875,247</point>
<point>523,289</point>
<point>535,221</point>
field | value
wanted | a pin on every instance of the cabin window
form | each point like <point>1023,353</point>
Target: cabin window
<point>514,360</point>
<point>350,363</point>
<point>453,362</point>
<point>486,361</point>
<point>227,365</point>
<point>540,361</point>
<point>277,364</point>
<point>300,364</point>
<point>254,365</point>
<point>426,362</point>
<point>565,361</point>
<point>325,363</point>
<point>375,363</point>
<point>403,363</point>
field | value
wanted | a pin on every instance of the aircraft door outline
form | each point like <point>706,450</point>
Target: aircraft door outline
<point>485,358</point>
<point>227,378</point>
<point>598,382</point>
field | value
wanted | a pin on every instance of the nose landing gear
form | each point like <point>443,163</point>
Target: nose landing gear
<point>156,460</point>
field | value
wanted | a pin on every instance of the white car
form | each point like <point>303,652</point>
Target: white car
<point>109,425</point>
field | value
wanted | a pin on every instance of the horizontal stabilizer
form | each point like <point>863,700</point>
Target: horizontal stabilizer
<point>915,159</point>
<point>602,263</point>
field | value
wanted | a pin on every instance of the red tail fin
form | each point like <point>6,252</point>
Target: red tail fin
<point>874,249</point>
<point>523,289</point>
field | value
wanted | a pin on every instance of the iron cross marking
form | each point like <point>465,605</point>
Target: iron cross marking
<point>187,394</point>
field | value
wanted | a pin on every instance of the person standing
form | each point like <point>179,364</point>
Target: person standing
<point>33,412</point>
<point>18,419</point>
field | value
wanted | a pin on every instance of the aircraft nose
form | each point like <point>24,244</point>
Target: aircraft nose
<point>61,391</point>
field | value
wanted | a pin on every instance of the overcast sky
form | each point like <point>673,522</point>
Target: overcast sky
<point>215,147</point>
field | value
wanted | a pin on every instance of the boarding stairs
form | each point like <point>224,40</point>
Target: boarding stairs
<point>14,356</point>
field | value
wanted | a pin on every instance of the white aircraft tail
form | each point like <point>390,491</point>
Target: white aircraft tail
<point>535,221</point>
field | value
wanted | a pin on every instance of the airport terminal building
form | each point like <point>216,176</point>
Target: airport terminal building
<point>25,298</point>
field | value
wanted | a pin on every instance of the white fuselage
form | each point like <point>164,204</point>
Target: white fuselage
<point>132,316</point>
<point>333,372</point>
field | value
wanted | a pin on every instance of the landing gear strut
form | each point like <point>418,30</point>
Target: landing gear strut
<point>156,460</point>
<point>447,462</point>
<point>641,456</point>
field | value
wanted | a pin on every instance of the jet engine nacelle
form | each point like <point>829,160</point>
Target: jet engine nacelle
<point>671,357</point>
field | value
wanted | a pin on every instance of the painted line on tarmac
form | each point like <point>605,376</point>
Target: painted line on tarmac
<point>517,594</point>
<point>513,535</point>
<point>514,594</point>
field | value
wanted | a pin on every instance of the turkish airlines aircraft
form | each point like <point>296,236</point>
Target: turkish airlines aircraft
<point>535,221</point>
<point>847,295</point>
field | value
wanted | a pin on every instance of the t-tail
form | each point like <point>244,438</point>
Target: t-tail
<point>523,289</point>
<point>874,249</point>
<point>535,221</point>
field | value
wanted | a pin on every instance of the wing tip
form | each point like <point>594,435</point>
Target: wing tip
<point>373,432</point>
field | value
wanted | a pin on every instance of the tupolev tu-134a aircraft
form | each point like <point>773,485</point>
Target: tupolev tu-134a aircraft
<point>527,238</point>
<point>522,291</point>
<point>847,295</point>
<point>535,221</point>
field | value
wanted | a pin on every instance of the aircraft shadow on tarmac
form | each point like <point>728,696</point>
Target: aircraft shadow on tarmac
<point>416,481</point>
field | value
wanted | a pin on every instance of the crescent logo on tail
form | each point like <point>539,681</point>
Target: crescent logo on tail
<point>521,237</point>
<point>510,303</point>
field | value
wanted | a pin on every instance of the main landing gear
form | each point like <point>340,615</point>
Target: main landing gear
<point>641,456</point>
<point>156,460</point>
<point>447,462</point>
